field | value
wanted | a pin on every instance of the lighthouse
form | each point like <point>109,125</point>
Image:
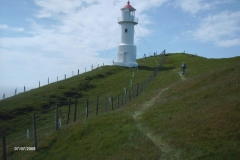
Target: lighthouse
<point>126,55</point>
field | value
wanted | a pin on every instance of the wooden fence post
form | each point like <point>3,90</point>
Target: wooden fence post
<point>97,106</point>
<point>129,94</point>
<point>133,93</point>
<point>112,102</point>
<point>118,100</point>
<point>4,151</point>
<point>124,89</point>
<point>87,109</point>
<point>122,99</point>
<point>56,117</point>
<point>125,98</point>
<point>60,122</point>
<point>35,132</point>
<point>75,111</point>
<point>69,110</point>
<point>105,107</point>
<point>137,89</point>
<point>27,133</point>
<point>143,88</point>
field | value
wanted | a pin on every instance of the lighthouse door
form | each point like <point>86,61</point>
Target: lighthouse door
<point>125,57</point>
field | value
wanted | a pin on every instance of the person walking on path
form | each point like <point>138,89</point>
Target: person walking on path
<point>183,68</point>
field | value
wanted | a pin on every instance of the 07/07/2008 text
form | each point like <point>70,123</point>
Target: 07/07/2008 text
<point>24,148</point>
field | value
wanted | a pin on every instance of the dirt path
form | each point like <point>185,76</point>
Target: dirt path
<point>167,152</point>
<point>182,76</point>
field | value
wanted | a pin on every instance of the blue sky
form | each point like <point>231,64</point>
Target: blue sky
<point>50,38</point>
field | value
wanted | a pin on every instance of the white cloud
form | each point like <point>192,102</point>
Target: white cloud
<point>221,29</point>
<point>53,7</point>
<point>193,6</point>
<point>228,43</point>
<point>6,27</point>
<point>3,26</point>
<point>146,5</point>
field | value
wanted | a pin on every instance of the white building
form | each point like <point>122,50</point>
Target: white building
<point>126,55</point>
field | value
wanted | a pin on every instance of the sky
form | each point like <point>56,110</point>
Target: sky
<point>41,39</point>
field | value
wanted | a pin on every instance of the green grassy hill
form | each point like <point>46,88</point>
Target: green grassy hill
<point>195,116</point>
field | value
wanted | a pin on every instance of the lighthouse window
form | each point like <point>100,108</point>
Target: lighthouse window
<point>125,30</point>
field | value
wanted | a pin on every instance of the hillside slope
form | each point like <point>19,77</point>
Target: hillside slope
<point>195,116</point>
<point>199,117</point>
<point>105,81</point>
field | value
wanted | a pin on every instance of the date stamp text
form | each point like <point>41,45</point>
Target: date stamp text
<point>24,148</point>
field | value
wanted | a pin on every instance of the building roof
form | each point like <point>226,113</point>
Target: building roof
<point>128,6</point>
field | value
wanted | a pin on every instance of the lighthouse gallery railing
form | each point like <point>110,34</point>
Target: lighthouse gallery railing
<point>129,19</point>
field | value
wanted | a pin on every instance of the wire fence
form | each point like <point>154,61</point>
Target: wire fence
<point>39,127</point>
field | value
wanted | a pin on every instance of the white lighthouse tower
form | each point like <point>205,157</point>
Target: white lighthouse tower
<point>126,55</point>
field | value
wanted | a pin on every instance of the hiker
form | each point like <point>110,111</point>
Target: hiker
<point>183,68</point>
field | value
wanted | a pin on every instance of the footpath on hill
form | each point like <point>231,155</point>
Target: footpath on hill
<point>157,140</point>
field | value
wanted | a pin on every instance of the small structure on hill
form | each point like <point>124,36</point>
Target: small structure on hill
<point>126,55</point>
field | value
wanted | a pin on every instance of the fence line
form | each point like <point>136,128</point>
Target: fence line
<point>83,108</point>
<point>65,76</point>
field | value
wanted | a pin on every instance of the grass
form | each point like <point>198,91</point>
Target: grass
<point>199,117</point>
<point>117,129</point>
<point>104,82</point>
<point>194,118</point>
<point>203,113</point>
